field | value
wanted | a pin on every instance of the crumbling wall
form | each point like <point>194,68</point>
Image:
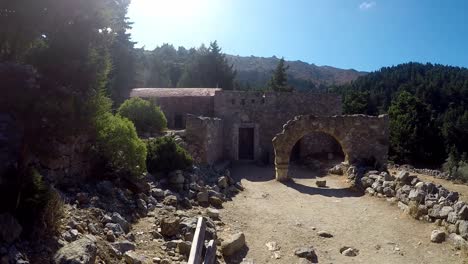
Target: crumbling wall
<point>267,113</point>
<point>183,105</point>
<point>317,143</point>
<point>363,139</point>
<point>204,136</point>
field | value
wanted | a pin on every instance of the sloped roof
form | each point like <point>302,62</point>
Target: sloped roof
<point>173,92</point>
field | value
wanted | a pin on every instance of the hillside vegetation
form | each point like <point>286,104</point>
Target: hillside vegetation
<point>166,66</point>
<point>254,72</point>
<point>427,104</point>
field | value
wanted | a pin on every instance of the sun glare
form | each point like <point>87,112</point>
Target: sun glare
<point>169,9</point>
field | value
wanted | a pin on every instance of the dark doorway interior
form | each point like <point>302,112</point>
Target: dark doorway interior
<point>296,152</point>
<point>246,143</point>
<point>179,121</point>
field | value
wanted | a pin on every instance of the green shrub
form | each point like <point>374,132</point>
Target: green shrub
<point>118,143</point>
<point>144,114</point>
<point>165,155</point>
<point>462,171</point>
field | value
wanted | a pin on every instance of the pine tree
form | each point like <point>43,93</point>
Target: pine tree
<point>279,80</point>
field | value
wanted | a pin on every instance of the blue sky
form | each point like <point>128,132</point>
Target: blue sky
<point>363,35</point>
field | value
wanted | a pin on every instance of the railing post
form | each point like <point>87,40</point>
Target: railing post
<point>198,242</point>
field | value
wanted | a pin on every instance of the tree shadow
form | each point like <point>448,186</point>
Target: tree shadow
<point>328,192</point>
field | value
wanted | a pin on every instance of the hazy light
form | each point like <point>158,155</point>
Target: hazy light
<point>174,21</point>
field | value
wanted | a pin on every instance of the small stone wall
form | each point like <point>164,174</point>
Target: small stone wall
<point>71,164</point>
<point>204,136</point>
<point>423,201</point>
<point>435,173</point>
<point>363,139</point>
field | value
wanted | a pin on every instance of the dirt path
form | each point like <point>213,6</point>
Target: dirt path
<point>292,214</point>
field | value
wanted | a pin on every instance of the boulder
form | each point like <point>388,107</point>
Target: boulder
<point>169,226</point>
<point>445,211</point>
<point>463,213</point>
<point>437,236</point>
<point>117,218</point>
<point>272,246</point>
<point>370,191</point>
<point>202,197</point>
<point>215,201</point>
<point>337,170</point>
<point>402,176</point>
<point>124,246</point>
<point>389,192</point>
<point>81,251</point>
<point>157,193</point>
<point>415,181</point>
<point>366,182</point>
<point>452,196</point>
<point>116,228</point>
<point>110,236</point>
<point>141,205</point>
<point>306,252</point>
<point>10,229</point>
<point>452,217</point>
<point>321,183</point>
<point>458,241</point>
<point>349,251</point>
<point>463,228</point>
<point>170,200</point>
<point>387,176</point>
<point>324,234</point>
<point>417,195</point>
<point>223,182</point>
<point>184,247</point>
<point>131,257</point>
<point>233,244</point>
<point>212,213</point>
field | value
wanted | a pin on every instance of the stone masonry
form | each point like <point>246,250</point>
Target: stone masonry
<point>364,139</point>
<point>240,120</point>
<point>204,136</point>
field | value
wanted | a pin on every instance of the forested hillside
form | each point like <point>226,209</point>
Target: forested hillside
<point>254,72</point>
<point>166,66</point>
<point>427,104</point>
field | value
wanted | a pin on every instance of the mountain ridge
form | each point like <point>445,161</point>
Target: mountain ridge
<point>255,72</point>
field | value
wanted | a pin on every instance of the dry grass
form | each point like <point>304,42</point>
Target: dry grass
<point>49,220</point>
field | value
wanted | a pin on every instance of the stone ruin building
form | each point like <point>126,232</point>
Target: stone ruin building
<point>269,126</point>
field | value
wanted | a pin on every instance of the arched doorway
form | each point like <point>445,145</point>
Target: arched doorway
<point>362,138</point>
<point>317,152</point>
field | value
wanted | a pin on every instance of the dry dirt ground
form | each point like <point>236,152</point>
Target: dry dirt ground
<point>291,215</point>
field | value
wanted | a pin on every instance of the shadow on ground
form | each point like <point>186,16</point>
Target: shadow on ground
<point>329,192</point>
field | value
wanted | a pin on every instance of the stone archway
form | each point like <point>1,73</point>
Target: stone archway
<point>362,138</point>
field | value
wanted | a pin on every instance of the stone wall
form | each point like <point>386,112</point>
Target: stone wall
<point>424,201</point>
<point>183,105</point>
<point>69,161</point>
<point>71,164</point>
<point>318,143</point>
<point>204,136</point>
<point>364,139</point>
<point>266,113</point>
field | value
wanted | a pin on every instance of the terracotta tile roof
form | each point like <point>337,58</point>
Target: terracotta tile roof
<point>173,92</point>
